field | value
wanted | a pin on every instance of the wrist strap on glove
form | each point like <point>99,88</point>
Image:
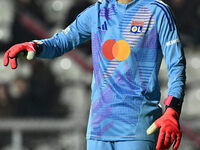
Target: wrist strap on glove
<point>174,103</point>
<point>38,47</point>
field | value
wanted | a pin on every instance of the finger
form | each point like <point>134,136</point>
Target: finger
<point>160,142</point>
<point>167,140</point>
<point>14,50</point>
<point>152,129</point>
<point>177,142</point>
<point>162,148</point>
<point>173,137</point>
<point>13,63</point>
<point>30,55</point>
<point>6,58</point>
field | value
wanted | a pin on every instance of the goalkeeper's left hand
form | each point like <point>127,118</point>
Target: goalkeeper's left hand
<point>169,130</point>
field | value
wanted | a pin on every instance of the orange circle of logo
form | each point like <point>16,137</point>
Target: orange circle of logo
<point>119,50</point>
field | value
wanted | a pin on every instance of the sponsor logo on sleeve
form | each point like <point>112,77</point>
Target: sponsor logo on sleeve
<point>172,42</point>
<point>67,30</point>
<point>39,42</point>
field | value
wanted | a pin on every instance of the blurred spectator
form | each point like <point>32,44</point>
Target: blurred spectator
<point>44,90</point>
<point>22,97</point>
<point>18,31</point>
<point>39,96</point>
<point>6,20</point>
<point>6,104</point>
<point>187,15</point>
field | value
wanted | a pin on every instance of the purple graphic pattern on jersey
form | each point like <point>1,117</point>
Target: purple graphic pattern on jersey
<point>107,12</point>
<point>97,55</point>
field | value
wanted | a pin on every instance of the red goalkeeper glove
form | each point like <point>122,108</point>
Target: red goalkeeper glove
<point>169,125</point>
<point>11,54</point>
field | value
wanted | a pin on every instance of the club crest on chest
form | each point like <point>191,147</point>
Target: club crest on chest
<point>136,26</point>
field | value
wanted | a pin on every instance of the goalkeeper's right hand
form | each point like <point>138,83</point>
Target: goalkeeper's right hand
<point>11,54</point>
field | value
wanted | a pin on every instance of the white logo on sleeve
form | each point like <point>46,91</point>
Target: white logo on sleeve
<point>67,30</point>
<point>172,42</point>
<point>39,42</point>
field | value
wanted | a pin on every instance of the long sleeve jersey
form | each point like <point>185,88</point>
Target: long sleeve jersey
<point>128,44</point>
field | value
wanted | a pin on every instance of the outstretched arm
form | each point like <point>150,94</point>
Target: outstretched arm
<point>78,32</point>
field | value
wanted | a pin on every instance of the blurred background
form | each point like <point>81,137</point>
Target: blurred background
<point>44,104</point>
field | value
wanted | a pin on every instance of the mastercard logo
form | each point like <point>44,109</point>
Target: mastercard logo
<point>119,50</point>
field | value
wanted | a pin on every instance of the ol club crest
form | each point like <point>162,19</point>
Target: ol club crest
<point>136,26</point>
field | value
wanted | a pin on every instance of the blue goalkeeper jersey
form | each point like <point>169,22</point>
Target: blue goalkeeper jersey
<point>128,44</point>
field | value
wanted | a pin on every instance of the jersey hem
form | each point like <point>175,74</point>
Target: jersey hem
<point>123,138</point>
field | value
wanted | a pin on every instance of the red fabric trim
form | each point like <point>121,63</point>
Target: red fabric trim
<point>168,100</point>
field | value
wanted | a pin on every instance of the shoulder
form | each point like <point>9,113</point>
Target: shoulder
<point>162,12</point>
<point>160,7</point>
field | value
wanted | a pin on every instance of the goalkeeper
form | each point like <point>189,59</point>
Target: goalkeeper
<point>129,40</point>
